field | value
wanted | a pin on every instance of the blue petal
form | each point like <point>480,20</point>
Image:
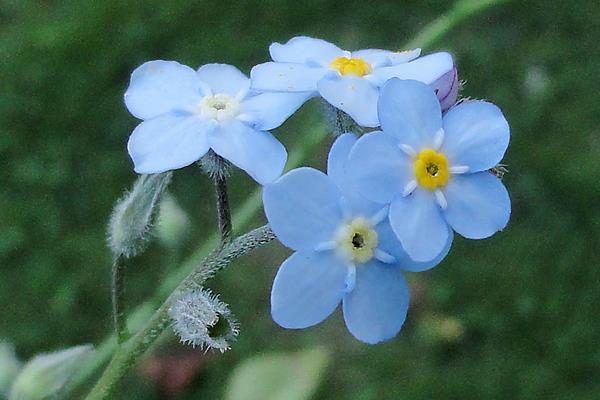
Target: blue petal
<point>338,156</point>
<point>256,152</point>
<point>157,87</point>
<point>354,95</point>
<point>286,77</point>
<point>267,111</point>
<point>418,222</point>
<point>224,78</point>
<point>478,205</point>
<point>382,58</point>
<point>376,309</point>
<point>307,289</point>
<point>378,168</point>
<point>426,69</point>
<point>168,142</point>
<point>410,111</point>
<point>302,49</point>
<point>389,243</point>
<point>303,208</point>
<point>477,135</point>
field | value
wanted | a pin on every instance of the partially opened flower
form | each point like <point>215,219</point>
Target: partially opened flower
<point>350,81</point>
<point>186,112</point>
<point>432,169</point>
<point>345,251</point>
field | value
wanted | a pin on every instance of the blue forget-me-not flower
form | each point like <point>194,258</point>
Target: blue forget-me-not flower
<point>350,81</point>
<point>432,170</point>
<point>186,112</point>
<point>345,251</point>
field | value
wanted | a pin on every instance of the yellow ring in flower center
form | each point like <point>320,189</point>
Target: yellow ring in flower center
<point>431,169</point>
<point>351,66</point>
<point>357,240</point>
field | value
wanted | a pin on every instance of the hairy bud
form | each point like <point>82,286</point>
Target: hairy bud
<point>214,165</point>
<point>47,374</point>
<point>133,215</point>
<point>202,320</point>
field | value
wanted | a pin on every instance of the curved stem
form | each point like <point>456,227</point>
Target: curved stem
<point>118,298</point>
<point>130,351</point>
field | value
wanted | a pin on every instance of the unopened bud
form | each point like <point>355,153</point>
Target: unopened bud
<point>446,88</point>
<point>133,215</point>
<point>47,374</point>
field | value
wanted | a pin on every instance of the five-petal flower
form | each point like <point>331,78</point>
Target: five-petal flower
<point>186,112</point>
<point>432,169</point>
<point>350,81</point>
<point>345,251</point>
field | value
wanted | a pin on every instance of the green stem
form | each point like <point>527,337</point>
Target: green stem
<point>130,351</point>
<point>223,212</point>
<point>118,298</point>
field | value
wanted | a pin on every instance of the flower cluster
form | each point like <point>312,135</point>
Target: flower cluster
<point>390,201</point>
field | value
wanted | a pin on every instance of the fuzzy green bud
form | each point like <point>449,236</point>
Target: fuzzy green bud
<point>133,215</point>
<point>45,375</point>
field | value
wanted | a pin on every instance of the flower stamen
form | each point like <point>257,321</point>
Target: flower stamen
<point>431,169</point>
<point>351,66</point>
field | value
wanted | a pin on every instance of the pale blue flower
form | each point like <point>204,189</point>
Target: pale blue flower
<point>432,170</point>
<point>345,251</point>
<point>350,81</point>
<point>186,112</point>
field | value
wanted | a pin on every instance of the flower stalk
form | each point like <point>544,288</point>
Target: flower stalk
<point>130,351</point>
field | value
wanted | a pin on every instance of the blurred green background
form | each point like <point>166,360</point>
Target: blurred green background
<point>511,317</point>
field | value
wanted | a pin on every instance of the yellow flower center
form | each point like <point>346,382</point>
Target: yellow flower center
<point>351,66</point>
<point>431,169</point>
<point>357,240</point>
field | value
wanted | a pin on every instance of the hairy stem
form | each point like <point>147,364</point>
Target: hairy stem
<point>118,298</point>
<point>223,211</point>
<point>131,350</point>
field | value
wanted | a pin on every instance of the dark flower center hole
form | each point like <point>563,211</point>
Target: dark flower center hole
<point>432,169</point>
<point>358,241</point>
<point>219,106</point>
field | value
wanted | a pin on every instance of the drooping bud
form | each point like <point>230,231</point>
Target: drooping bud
<point>133,215</point>
<point>446,88</point>
<point>47,374</point>
<point>202,320</point>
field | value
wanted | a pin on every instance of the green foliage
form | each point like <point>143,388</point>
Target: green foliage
<point>526,300</point>
<point>272,376</point>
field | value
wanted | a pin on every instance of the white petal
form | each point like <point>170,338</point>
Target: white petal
<point>301,49</point>
<point>286,77</point>
<point>157,87</point>
<point>168,142</point>
<point>426,69</point>
<point>354,95</point>
<point>258,153</point>
<point>223,78</point>
<point>267,111</point>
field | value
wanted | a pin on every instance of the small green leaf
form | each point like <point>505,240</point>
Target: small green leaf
<point>278,376</point>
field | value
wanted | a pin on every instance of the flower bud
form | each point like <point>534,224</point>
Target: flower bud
<point>133,215</point>
<point>44,376</point>
<point>446,88</point>
<point>201,319</point>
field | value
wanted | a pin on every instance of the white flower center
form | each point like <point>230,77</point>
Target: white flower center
<point>219,107</point>
<point>356,240</point>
